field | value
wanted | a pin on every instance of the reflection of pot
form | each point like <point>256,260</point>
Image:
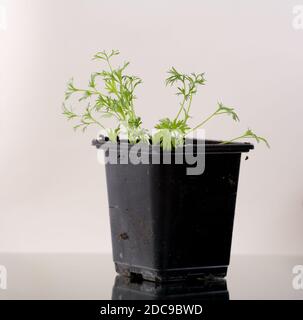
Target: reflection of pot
<point>212,289</point>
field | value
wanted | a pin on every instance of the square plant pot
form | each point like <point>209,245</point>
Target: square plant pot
<point>167,225</point>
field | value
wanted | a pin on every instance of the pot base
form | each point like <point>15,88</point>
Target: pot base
<point>167,275</point>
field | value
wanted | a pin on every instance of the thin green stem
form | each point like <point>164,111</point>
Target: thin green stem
<point>91,91</point>
<point>180,110</point>
<point>183,101</point>
<point>97,122</point>
<point>203,122</point>
<point>216,113</point>
<point>188,108</point>
<point>109,65</point>
<point>234,139</point>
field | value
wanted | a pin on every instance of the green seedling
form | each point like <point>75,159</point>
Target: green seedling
<point>110,93</point>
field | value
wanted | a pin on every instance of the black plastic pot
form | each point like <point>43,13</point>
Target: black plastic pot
<point>167,225</point>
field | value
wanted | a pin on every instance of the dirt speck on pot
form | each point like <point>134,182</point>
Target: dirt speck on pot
<point>124,236</point>
<point>114,207</point>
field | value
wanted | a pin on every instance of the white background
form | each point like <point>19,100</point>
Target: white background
<point>53,191</point>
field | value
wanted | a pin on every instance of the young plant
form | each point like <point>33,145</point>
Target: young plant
<point>177,129</point>
<point>115,99</point>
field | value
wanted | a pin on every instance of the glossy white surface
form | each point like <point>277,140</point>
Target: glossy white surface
<point>92,276</point>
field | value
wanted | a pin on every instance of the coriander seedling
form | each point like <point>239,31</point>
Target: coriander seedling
<point>110,93</point>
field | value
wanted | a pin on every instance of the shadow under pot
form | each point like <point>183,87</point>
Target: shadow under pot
<point>168,224</point>
<point>212,289</point>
